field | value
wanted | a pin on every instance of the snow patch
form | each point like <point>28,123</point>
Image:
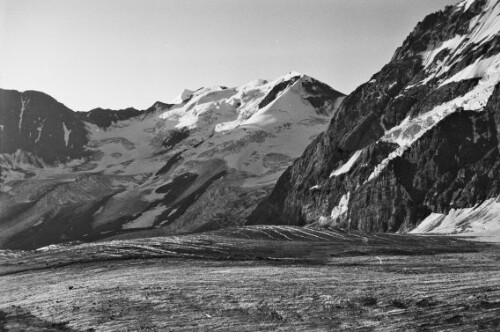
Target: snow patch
<point>341,208</point>
<point>24,103</point>
<point>40,128</point>
<point>475,136</point>
<point>481,68</point>
<point>49,248</point>
<point>383,164</point>
<point>172,212</point>
<point>291,75</point>
<point>348,165</point>
<point>146,219</point>
<point>482,220</point>
<point>393,84</point>
<point>66,133</point>
<point>183,96</point>
<point>101,208</point>
<point>429,55</point>
<point>466,4</point>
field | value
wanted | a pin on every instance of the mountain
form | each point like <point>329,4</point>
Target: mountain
<point>201,163</point>
<point>414,149</point>
<point>36,123</point>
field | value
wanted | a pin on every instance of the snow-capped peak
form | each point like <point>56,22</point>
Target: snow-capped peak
<point>466,4</point>
<point>481,29</point>
<point>239,139</point>
<point>291,75</point>
<point>181,97</point>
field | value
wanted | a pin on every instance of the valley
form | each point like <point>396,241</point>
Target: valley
<point>255,278</point>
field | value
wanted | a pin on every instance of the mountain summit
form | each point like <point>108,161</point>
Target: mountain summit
<point>183,96</point>
<point>417,147</point>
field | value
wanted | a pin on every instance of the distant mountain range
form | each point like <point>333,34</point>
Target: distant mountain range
<point>202,163</point>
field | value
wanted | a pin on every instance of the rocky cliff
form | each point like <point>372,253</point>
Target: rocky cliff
<point>420,138</point>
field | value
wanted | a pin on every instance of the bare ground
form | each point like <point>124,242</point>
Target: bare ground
<point>451,286</point>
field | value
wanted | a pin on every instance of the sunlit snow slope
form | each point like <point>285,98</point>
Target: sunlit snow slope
<point>202,162</point>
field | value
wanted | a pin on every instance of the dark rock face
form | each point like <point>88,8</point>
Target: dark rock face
<point>170,163</point>
<point>178,202</point>
<point>59,212</point>
<point>493,107</point>
<point>175,137</point>
<point>453,164</point>
<point>104,118</point>
<point>35,122</point>
<point>356,125</point>
<point>271,95</point>
<point>321,95</point>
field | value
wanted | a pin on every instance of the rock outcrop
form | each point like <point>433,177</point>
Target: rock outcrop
<point>104,117</point>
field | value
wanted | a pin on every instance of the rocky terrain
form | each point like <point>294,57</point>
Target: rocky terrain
<point>254,278</point>
<point>202,163</point>
<point>417,147</point>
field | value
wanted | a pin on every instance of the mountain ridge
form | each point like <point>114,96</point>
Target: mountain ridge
<point>200,164</point>
<point>448,64</point>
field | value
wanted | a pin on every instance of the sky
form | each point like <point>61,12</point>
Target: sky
<point>131,53</point>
